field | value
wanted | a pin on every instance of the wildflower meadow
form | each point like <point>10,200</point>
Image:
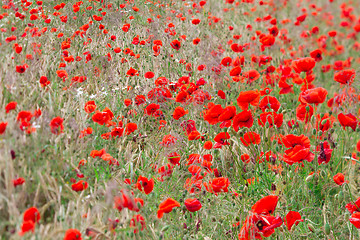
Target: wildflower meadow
<point>180,119</point>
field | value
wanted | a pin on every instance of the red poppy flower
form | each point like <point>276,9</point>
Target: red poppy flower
<point>97,153</point>
<point>324,123</point>
<point>221,94</point>
<point>132,72</point>
<point>161,81</point>
<point>303,64</point>
<point>3,127</point>
<point>167,206</point>
<point>24,116</point>
<point>221,138</point>
<point>316,55</point>
<point>324,152</point>
<point>251,76</point>
<point>140,99</point>
<point>145,185</point>
<point>44,81</point>
<point>196,41</point>
<point>152,108</point>
<point>272,118</point>
<point>174,158</point>
<point>79,186</point>
<point>182,96</point>
<point>226,61</point>
<point>117,132</point>
<point>195,21</point>
<point>219,184</point>
<point>31,214</point>
<point>175,44</point>
<point>348,120</point>
<point>90,106</point>
<point>159,94</point>
<point>135,220</point>
<point>212,114</point>
<point>149,75</point>
<point>313,95</point>
<point>126,200</point>
<point>345,76</point>
<point>353,207</point>
<point>292,218</point>
<point>192,204</point>
<point>339,179</point>
<point>127,102</point>
<point>130,128</point>
<point>235,71</point>
<point>269,102</point>
<point>179,112</point>
<point>267,40</point>
<point>249,97</point>
<point>168,140</point>
<point>10,106</point>
<point>245,158</point>
<point>208,145</point>
<point>72,234</point>
<point>266,205</point>
<point>299,149</point>
<point>18,181</point>
<point>227,114</point>
<point>21,68</point>
<point>56,125</point>
<point>250,138</point>
<point>243,119</point>
<point>304,112</point>
<point>27,227</point>
<point>258,226</point>
<point>355,219</point>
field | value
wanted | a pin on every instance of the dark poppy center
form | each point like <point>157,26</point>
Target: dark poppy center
<point>260,225</point>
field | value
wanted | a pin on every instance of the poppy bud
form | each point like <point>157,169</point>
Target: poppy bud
<point>165,228</point>
<point>323,174</point>
<point>327,229</point>
<point>314,131</point>
<point>341,196</point>
<point>311,227</point>
<point>309,178</point>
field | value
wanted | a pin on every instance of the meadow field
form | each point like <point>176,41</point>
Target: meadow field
<point>172,119</point>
